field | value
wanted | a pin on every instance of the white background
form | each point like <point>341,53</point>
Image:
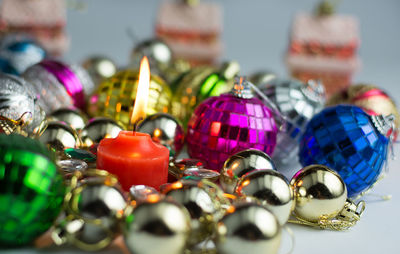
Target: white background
<point>256,34</point>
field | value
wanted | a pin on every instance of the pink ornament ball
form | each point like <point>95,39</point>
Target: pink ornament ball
<point>224,125</point>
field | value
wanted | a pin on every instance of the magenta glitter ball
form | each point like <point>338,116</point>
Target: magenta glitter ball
<point>224,125</point>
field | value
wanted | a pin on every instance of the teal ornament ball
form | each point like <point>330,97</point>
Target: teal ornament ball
<point>31,190</point>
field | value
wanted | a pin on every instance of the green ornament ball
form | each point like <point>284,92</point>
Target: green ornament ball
<point>31,190</point>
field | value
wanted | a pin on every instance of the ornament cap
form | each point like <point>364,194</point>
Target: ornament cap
<point>384,124</point>
<point>325,8</point>
<point>314,90</point>
<point>242,88</point>
<point>191,2</point>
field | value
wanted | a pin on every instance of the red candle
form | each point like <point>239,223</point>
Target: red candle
<point>132,156</point>
<point>135,159</point>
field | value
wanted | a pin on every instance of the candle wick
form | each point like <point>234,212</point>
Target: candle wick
<point>136,124</point>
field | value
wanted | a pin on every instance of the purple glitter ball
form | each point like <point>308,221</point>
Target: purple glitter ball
<point>224,125</point>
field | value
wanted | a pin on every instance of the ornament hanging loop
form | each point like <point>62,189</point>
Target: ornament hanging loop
<point>281,119</point>
<point>347,218</point>
<point>314,90</point>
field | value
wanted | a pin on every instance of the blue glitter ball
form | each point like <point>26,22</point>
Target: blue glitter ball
<point>345,139</point>
<point>18,53</point>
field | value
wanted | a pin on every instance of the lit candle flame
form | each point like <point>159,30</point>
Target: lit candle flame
<point>142,94</point>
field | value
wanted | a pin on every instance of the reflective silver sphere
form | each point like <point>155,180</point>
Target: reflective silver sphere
<point>298,102</point>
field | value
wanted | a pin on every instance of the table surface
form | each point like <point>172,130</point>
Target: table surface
<point>256,34</point>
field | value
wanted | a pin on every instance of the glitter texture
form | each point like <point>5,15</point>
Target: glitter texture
<point>345,139</point>
<point>224,125</point>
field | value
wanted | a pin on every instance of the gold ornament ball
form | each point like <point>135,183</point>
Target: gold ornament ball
<point>115,97</point>
<point>242,163</point>
<point>97,129</point>
<point>197,199</point>
<point>371,98</point>
<point>59,135</point>
<point>248,228</point>
<point>262,77</point>
<point>318,191</point>
<point>99,68</point>
<point>73,117</point>
<point>165,130</point>
<point>199,84</point>
<point>93,209</point>
<point>272,189</point>
<point>158,227</point>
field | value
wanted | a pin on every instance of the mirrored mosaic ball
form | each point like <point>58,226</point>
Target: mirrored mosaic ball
<point>344,138</point>
<point>115,97</point>
<point>31,190</point>
<point>298,102</point>
<point>224,125</point>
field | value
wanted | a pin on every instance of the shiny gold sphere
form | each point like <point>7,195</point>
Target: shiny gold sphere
<point>199,84</point>
<point>94,208</point>
<point>197,199</point>
<point>97,129</point>
<point>59,135</point>
<point>242,163</point>
<point>115,97</point>
<point>72,117</point>
<point>99,68</point>
<point>248,228</point>
<point>369,97</point>
<point>186,89</point>
<point>318,191</point>
<point>262,77</point>
<point>160,227</point>
<point>166,130</point>
<point>272,189</point>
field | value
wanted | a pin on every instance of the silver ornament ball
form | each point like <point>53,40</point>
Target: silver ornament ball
<point>298,102</point>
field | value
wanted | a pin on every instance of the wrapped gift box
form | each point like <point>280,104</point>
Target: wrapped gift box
<point>45,20</point>
<point>324,47</point>
<point>192,31</point>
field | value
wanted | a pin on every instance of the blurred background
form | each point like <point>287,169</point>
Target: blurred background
<point>256,33</point>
